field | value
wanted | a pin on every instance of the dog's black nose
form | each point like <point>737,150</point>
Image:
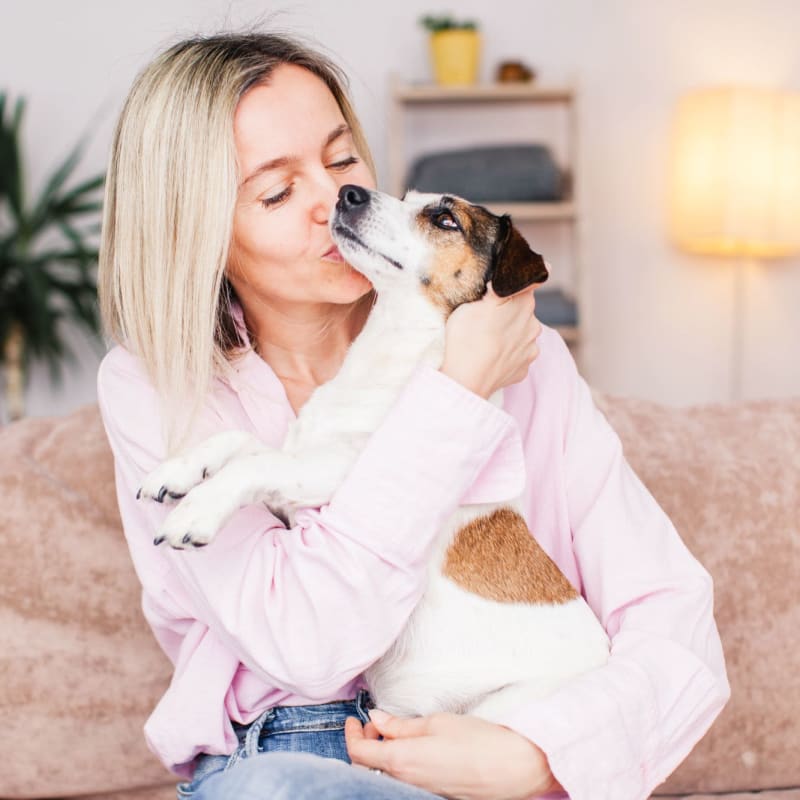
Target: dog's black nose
<point>352,197</point>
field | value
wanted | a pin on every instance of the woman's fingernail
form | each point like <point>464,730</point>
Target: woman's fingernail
<point>376,715</point>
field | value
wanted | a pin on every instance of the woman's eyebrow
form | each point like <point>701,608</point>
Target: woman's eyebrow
<point>284,161</point>
<point>336,133</point>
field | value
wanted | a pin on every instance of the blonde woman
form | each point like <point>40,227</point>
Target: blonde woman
<point>230,305</point>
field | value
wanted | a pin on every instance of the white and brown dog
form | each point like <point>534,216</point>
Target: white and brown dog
<point>498,623</point>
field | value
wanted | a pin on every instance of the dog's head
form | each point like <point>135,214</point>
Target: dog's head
<point>449,248</point>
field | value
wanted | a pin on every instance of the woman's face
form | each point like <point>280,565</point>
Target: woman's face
<point>294,151</point>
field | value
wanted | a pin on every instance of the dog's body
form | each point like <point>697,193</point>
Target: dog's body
<point>498,623</point>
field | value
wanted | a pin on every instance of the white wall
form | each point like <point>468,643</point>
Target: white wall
<point>658,322</point>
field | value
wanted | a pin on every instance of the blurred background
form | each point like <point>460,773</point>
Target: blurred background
<point>650,317</point>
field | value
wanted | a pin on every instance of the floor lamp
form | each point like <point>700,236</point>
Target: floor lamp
<point>735,184</point>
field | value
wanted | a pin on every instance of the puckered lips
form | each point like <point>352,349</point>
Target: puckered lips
<point>333,254</point>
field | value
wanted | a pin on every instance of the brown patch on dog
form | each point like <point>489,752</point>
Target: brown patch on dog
<point>458,273</point>
<point>496,557</point>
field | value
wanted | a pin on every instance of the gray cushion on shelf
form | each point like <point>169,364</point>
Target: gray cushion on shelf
<point>512,173</point>
<point>554,308</point>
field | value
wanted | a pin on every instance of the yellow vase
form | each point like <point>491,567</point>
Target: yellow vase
<point>455,55</point>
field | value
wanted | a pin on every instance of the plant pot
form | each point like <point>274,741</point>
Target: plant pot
<point>13,372</point>
<point>455,55</point>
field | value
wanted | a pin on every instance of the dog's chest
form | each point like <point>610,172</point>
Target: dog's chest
<point>346,410</point>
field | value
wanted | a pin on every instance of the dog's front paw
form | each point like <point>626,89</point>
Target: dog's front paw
<point>172,480</point>
<point>196,519</point>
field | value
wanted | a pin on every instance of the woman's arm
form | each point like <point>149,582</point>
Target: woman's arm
<point>309,608</point>
<point>619,731</point>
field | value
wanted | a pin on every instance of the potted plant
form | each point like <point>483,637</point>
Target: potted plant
<point>47,259</point>
<point>455,49</point>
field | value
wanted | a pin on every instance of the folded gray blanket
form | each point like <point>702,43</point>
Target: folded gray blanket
<point>511,173</point>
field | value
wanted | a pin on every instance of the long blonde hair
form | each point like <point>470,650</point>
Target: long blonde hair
<point>169,205</point>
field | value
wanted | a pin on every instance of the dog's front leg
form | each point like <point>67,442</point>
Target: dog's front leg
<point>278,479</point>
<point>177,476</point>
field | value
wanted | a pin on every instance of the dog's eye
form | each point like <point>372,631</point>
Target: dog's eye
<point>446,221</point>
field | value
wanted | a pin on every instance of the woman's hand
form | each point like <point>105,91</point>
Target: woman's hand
<point>491,343</point>
<point>452,755</point>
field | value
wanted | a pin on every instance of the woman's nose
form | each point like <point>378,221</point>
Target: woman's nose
<point>327,191</point>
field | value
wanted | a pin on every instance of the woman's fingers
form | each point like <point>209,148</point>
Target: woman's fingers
<point>371,732</point>
<point>391,727</point>
<point>453,755</point>
<point>487,343</point>
<point>367,751</point>
<point>365,746</point>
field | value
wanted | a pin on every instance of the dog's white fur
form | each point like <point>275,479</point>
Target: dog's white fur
<point>459,651</point>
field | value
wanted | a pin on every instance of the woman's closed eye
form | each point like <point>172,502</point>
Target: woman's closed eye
<point>344,163</point>
<point>339,166</point>
<point>277,199</point>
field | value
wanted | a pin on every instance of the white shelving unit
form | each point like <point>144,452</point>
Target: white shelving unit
<point>407,98</point>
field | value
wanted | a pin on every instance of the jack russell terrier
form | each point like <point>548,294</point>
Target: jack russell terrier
<point>498,624</point>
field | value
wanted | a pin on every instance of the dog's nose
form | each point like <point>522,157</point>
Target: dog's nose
<point>352,197</point>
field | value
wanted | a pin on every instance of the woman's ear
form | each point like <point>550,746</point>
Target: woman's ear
<point>514,265</point>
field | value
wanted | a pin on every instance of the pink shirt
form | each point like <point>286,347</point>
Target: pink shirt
<point>267,616</point>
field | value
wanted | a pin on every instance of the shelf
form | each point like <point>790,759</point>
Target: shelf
<point>528,212</point>
<point>555,307</point>
<point>483,93</point>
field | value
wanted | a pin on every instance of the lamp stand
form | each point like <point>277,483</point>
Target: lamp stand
<point>742,265</point>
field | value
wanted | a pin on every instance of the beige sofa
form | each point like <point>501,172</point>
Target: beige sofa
<point>79,671</point>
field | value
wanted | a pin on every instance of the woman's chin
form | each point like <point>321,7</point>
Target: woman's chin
<point>358,281</point>
<point>346,283</point>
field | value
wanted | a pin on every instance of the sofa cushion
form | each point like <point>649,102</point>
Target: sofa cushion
<point>79,669</point>
<point>775,794</point>
<point>163,792</point>
<point>729,478</point>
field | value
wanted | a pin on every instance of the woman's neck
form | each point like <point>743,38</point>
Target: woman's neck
<point>305,345</point>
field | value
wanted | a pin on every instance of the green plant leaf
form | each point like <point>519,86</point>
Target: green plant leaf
<point>444,22</point>
<point>48,198</point>
<point>87,187</point>
<point>11,186</point>
<point>60,209</point>
<point>48,254</point>
<point>72,234</point>
<point>65,256</point>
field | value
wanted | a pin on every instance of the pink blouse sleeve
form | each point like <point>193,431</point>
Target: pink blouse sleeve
<point>617,732</point>
<point>309,608</point>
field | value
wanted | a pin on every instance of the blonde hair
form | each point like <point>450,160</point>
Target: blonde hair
<point>169,205</point>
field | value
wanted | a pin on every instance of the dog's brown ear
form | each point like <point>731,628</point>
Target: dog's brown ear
<point>514,265</point>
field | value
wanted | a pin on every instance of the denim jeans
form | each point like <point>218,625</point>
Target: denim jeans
<point>295,753</point>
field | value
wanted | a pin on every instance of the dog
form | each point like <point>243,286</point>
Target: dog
<point>498,624</point>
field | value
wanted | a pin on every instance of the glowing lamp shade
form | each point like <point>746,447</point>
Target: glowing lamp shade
<point>735,173</point>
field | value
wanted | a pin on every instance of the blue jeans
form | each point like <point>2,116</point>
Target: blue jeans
<point>295,753</point>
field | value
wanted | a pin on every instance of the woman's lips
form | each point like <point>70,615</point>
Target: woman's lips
<point>334,255</point>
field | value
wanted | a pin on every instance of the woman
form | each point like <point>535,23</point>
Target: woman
<point>231,305</point>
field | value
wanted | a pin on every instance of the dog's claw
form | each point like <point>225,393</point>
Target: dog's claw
<point>139,494</point>
<point>187,538</point>
<point>162,492</point>
<point>176,495</point>
<point>157,541</point>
